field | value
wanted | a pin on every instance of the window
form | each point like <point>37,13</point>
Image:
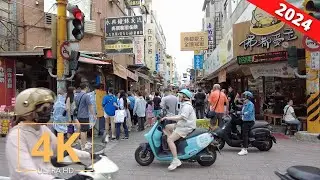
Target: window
<point>84,5</point>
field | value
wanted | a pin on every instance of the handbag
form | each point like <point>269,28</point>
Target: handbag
<point>119,116</point>
<point>75,113</point>
<point>211,114</point>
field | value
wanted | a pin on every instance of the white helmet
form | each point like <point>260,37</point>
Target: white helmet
<point>28,100</point>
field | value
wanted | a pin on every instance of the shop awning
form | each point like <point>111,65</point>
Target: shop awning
<point>21,53</point>
<point>229,66</point>
<point>132,75</point>
<point>119,70</point>
<point>144,76</point>
<point>92,61</point>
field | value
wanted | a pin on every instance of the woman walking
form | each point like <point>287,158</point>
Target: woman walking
<point>122,105</point>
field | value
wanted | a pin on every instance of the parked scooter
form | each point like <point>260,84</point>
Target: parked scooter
<point>197,146</point>
<point>300,172</point>
<point>260,134</point>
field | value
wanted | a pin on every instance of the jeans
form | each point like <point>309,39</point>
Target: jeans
<point>141,121</point>
<point>200,112</point>
<point>220,121</point>
<point>295,122</point>
<point>101,125</point>
<point>125,127</point>
<point>246,126</point>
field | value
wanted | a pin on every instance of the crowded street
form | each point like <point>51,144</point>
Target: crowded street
<point>159,89</point>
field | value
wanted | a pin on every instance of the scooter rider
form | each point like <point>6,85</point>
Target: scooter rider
<point>248,118</point>
<point>186,123</point>
<point>33,106</point>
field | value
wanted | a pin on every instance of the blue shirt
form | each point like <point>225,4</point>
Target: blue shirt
<point>248,112</point>
<point>107,104</point>
<point>132,101</point>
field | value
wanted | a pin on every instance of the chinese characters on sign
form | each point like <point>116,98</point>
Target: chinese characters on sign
<point>267,41</point>
<point>191,41</point>
<point>9,78</point>
<point>157,62</point>
<point>7,81</point>
<point>198,62</point>
<point>263,58</point>
<point>134,3</point>
<point>210,38</point>
<point>124,26</point>
<point>119,46</point>
<point>139,50</point>
<point>150,46</point>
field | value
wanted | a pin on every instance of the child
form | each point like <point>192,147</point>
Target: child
<point>149,112</point>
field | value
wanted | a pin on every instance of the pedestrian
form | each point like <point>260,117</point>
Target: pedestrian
<point>60,116</point>
<point>156,105</point>
<point>217,99</point>
<point>231,98</point>
<point>131,106</point>
<point>169,102</point>
<point>122,105</point>
<point>149,112</point>
<point>84,108</point>
<point>109,104</point>
<point>248,118</point>
<point>199,103</point>
<point>140,111</point>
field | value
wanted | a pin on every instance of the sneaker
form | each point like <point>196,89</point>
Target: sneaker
<point>174,164</point>
<point>243,152</point>
<point>125,138</point>
<point>106,139</point>
<point>87,146</point>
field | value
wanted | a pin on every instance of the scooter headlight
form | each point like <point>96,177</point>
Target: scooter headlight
<point>110,175</point>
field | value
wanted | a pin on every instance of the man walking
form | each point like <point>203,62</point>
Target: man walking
<point>84,107</point>
<point>109,103</point>
<point>199,103</point>
<point>169,102</point>
<point>217,100</point>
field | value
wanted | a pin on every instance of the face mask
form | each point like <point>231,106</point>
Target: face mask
<point>43,113</point>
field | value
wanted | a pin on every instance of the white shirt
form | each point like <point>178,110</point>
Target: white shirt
<point>288,111</point>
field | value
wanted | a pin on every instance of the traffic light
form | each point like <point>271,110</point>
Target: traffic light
<point>77,22</point>
<point>294,54</point>
<point>312,7</point>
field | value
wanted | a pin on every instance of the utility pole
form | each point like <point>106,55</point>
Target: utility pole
<point>312,7</point>
<point>61,38</point>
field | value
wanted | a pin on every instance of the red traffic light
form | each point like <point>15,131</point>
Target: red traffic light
<point>47,53</point>
<point>78,14</point>
<point>77,21</point>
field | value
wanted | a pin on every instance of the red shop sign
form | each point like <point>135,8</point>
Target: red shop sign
<point>7,81</point>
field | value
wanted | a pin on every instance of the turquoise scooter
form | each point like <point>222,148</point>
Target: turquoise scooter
<point>199,146</point>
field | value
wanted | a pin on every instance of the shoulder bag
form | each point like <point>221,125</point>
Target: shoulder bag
<point>212,113</point>
<point>120,115</point>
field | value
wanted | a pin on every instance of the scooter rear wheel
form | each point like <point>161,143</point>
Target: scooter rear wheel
<point>266,146</point>
<point>220,143</point>
<point>144,158</point>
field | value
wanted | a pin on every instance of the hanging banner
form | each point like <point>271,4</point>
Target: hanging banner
<point>124,26</point>
<point>138,50</point>
<point>119,46</point>
<point>282,70</point>
<point>285,12</point>
<point>198,62</point>
<point>222,76</point>
<point>150,46</point>
<point>7,81</point>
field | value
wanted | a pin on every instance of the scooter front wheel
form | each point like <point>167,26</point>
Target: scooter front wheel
<point>143,156</point>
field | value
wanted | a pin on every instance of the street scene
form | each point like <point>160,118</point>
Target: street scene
<point>159,89</point>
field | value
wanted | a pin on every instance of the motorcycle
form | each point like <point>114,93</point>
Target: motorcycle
<point>198,146</point>
<point>300,172</point>
<point>259,136</point>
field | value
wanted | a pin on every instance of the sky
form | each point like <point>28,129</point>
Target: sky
<point>176,16</point>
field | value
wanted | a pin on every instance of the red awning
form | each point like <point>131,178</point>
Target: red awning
<point>92,61</point>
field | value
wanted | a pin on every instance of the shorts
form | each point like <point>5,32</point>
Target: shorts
<point>84,127</point>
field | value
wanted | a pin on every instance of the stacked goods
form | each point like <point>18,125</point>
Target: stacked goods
<point>5,122</point>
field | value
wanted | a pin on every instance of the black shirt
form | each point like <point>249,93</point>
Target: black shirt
<point>199,98</point>
<point>156,103</point>
<point>232,96</point>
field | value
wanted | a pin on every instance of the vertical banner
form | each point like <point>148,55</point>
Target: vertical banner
<point>210,38</point>
<point>157,62</point>
<point>198,62</point>
<point>139,50</point>
<point>2,82</point>
<point>11,84</point>
<point>150,46</point>
<point>7,81</point>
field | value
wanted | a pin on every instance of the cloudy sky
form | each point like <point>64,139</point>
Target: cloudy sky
<point>178,16</point>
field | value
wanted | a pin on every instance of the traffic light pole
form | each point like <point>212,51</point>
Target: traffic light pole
<point>313,101</point>
<point>61,37</point>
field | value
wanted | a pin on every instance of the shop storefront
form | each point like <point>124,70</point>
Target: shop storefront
<point>261,55</point>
